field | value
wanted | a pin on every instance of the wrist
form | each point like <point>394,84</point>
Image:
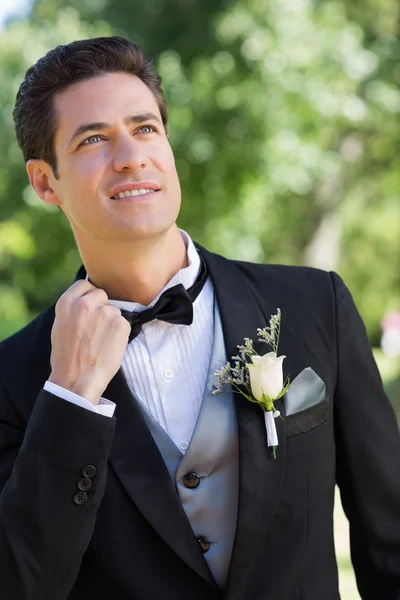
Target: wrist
<point>80,388</point>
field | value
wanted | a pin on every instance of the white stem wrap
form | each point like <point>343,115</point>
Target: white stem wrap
<point>272,435</point>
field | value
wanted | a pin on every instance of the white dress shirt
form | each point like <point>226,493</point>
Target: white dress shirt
<point>166,365</point>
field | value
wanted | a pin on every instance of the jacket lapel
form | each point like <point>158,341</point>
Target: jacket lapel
<point>141,470</point>
<point>260,476</point>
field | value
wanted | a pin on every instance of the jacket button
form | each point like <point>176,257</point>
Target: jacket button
<point>80,498</point>
<point>89,471</point>
<point>204,543</point>
<point>191,480</point>
<point>84,484</point>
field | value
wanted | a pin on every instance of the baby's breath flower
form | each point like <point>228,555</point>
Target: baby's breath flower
<point>270,335</point>
<point>245,351</point>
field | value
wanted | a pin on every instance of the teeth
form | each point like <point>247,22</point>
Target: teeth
<point>130,193</point>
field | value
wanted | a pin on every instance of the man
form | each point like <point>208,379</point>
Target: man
<point>121,474</point>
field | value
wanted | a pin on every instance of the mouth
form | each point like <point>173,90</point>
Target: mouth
<point>134,193</point>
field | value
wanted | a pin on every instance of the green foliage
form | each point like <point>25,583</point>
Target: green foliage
<point>284,119</point>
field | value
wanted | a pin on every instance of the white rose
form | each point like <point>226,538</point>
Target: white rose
<point>266,375</point>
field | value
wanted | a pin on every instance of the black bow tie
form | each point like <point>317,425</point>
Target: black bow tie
<point>175,305</point>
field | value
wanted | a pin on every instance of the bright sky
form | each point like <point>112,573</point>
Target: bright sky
<point>12,7</point>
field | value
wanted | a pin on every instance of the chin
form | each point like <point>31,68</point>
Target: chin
<point>141,231</point>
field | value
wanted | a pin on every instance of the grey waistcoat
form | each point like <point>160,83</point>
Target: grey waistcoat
<point>213,454</point>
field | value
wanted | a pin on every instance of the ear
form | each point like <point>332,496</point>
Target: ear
<point>42,180</point>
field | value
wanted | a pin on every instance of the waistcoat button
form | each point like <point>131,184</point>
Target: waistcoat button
<point>204,543</point>
<point>191,480</point>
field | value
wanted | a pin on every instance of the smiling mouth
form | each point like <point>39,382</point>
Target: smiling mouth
<point>132,193</point>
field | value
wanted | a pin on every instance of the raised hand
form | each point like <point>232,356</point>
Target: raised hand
<point>89,338</point>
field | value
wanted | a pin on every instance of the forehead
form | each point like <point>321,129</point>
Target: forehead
<point>104,98</point>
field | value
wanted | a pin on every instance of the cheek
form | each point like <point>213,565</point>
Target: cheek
<point>165,159</point>
<point>84,176</point>
<point>173,175</point>
<point>90,170</point>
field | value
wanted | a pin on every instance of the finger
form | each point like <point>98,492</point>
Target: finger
<point>110,310</point>
<point>80,289</point>
<point>93,299</point>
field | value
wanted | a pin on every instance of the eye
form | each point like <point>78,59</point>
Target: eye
<point>90,139</point>
<point>150,128</point>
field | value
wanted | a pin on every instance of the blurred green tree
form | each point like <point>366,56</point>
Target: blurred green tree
<point>284,119</point>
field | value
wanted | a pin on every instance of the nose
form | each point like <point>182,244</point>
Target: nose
<point>128,154</point>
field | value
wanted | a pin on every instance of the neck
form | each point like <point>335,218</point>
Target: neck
<point>136,272</point>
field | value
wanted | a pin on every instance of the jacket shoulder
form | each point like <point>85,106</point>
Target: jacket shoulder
<point>294,272</point>
<point>285,283</point>
<point>305,282</point>
<point>26,353</point>
<point>27,334</point>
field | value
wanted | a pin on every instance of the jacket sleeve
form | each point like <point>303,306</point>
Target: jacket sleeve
<point>46,520</point>
<point>368,456</point>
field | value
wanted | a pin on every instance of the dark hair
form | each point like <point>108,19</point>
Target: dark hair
<point>34,113</point>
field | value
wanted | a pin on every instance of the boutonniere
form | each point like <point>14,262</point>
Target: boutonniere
<point>259,378</point>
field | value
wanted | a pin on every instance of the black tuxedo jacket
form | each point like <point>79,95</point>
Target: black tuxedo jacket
<point>131,540</point>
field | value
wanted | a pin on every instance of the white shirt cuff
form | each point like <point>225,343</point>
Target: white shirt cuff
<point>104,407</point>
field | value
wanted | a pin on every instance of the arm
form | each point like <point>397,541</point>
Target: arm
<point>48,500</point>
<point>368,457</point>
<point>44,532</point>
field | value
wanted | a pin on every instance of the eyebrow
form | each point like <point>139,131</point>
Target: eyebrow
<point>100,125</point>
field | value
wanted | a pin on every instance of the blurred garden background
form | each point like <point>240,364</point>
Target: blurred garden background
<point>285,123</point>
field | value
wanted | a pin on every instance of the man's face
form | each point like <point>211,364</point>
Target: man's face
<point>110,139</point>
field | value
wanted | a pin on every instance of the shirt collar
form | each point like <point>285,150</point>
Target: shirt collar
<point>186,276</point>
